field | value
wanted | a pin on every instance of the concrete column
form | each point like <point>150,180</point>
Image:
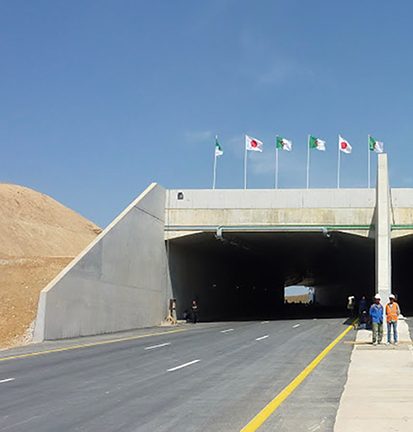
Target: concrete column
<point>383,230</point>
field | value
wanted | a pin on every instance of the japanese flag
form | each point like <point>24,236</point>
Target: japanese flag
<point>252,144</point>
<point>344,145</point>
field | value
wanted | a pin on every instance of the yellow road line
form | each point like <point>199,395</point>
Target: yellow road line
<point>269,409</point>
<point>88,345</point>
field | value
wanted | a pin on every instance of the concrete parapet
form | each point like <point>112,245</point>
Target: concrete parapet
<point>348,210</point>
<point>119,282</point>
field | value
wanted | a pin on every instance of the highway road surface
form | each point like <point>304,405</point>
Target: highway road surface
<point>204,377</point>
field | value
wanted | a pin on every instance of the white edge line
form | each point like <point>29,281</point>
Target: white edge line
<point>157,346</point>
<point>226,331</point>
<point>7,380</point>
<point>297,325</point>
<point>183,365</point>
<point>262,337</point>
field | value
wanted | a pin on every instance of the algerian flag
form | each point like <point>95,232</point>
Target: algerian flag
<point>344,145</point>
<point>284,144</point>
<point>376,146</point>
<point>317,143</point>
<point>218,148</point>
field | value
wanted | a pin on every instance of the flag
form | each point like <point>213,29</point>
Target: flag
<point>284,144</point>
<point>218,148</point>
<point>376,146</point>
<point>253,144</point>
<point>344,145</point>
<point>317,143</point>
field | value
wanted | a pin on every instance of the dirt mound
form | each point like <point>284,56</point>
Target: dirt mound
<point>38,238</point>
<point>303,298</point>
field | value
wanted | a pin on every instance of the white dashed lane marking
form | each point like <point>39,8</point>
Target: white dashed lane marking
<point>183,365</point>
<point>158,346</point>
<point>6,380</point>
<point>262,337</point>
<point>227,331</point>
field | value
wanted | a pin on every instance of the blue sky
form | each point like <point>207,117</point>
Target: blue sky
<point>100,98</point>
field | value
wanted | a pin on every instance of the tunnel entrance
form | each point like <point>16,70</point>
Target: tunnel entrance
<point>243,275</point>
<point>402,253</point>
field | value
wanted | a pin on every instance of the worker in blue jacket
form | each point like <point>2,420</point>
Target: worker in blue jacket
<point>376,315</point>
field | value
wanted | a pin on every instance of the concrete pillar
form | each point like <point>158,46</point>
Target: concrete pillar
<point>383,230</point>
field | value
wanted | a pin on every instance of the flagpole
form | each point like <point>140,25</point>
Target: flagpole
<point>245,165</point>
<point>338,165</point>
<point>276,168</point>
<point>308,161</point>
<point>368,161</point>
<point>215,164</point>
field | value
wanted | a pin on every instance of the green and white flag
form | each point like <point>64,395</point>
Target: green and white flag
<point>317,143</point>
<point>218,148</point>
<point>284,144</point>
<point>376,146</point>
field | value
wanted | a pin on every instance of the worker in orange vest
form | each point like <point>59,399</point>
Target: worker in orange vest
<point>392,315</point>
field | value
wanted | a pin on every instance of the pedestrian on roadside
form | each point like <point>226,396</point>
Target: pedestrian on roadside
<point>363,312</point>
<point>194,310</point>
<point>376,314</point>
<point>392,316</point>
<point>351,303</point>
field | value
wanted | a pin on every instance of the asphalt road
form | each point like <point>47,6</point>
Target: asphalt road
<point>209,377</point>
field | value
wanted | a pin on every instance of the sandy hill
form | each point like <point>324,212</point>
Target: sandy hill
<point>38,238</point>
<point>302,298</point>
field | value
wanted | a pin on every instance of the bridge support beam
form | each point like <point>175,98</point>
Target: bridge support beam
<point>383,230</point>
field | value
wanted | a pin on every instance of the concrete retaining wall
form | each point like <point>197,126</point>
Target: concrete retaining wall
<point>119,282</point>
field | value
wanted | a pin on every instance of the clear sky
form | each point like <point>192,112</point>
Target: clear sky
<point>99,98</point>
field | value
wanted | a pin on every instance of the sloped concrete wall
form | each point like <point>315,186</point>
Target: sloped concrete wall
<point>118,282</point>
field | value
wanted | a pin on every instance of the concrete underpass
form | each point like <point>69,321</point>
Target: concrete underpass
<point>235,252</point>
<point>402,271</point>
<point>242,275</point>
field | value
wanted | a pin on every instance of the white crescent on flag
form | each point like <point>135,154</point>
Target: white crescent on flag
<point>253,144</point>
<point>344,145</point>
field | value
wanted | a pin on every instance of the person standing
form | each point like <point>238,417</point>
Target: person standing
<point>363,312</point>
<point>392,316</point>
<point>194,310</point>
<point>351,303</point>
<point>376,314</point>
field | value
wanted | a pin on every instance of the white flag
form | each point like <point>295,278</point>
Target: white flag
<point>344,145</point>
<point>252,144</point>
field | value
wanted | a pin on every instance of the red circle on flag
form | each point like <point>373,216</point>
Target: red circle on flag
<point>254,143</point>
<point>343,145</point>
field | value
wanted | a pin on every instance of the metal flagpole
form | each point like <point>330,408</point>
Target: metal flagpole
<point>245,164</point>
<point>215,168</point>
<point>368,161</point>
<point>276,168</point>
<point>308,162</point>
<point>338,165</point>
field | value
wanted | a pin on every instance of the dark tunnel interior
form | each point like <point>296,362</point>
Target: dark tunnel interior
<point>243,275</point>
<point>402,270</point>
